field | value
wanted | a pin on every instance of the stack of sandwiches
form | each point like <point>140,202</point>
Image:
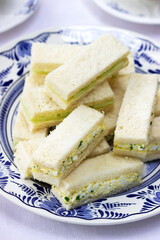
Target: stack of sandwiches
<point>75,99</point>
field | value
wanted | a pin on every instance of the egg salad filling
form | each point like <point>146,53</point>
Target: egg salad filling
<point>96,189</point>
<point>153,147</point>
<point>59,116</point>
<point>104,75</point>
<point>131,147</point>
<point>73,157</point>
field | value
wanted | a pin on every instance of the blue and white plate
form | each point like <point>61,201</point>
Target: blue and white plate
<point>139,11</point>
<point>15,12</point>
<point>138,203</point>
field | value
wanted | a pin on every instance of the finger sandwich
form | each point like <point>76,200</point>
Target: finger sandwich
<point>24,150</point>
<point>41,111</point>
<point>84,71</point>
<point>71,142</point>
<point>98,177</point>
<point>135,116</point>
<point>47,57</point>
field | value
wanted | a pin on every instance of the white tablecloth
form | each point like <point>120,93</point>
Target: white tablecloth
<point>17,223</point>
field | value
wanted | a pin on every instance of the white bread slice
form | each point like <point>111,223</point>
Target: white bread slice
<point>98,177</point>
<point>41,111</point>
<point>23,156</point>
<point>136,113</point>
<point>70,143</point>
<point>101,148</point>
<point>128,70</point>
<point>157,110</point>
<point>21,130</point>
<point>153,148</point>
<point>47,57</point>
<point>84,70</point>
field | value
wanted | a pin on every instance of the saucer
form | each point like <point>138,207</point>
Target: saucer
<point>138,11</point>
<point>15,12</point>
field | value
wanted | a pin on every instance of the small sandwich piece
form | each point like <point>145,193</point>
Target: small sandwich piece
<point>153,148</point>
<point>127,71</point>
<point>101,148</point>
<point>21,130</point>
<point>41,111</point>
<point>157,110</point>
<point>23,156</point>
<point>24,150</point>
<point>84,71</point>
<point>47,57</point>
<point>135,116</point>
<point>98,177</point>
<point>71,142</point>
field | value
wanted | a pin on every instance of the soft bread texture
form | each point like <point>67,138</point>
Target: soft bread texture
<point>21,131</point>
<point>157,110</point>
<point>47,57</point>
<point>23,156</point>
<point>67,136</point>
<point>37,104</point>
<point>94,170</point>
<point>101,148</point>
<point>128,69</point>
<point>133,125</point>
<point>86,66</point>
<point>154,140</point>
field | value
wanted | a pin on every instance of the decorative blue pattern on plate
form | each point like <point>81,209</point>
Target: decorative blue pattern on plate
<point>143,11</point>
<point>14,65</point>
<point>117,7</point>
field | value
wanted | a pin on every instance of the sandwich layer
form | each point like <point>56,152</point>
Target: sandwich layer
<point>41,111</point>
<point>98,177</point>
<point>87,69</point>
<point>62,151</point>
<point>133,126</point>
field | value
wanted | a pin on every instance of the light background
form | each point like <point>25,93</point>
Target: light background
<point>19,224</point>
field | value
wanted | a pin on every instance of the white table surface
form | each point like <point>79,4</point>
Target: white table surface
<point>17,223</point>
